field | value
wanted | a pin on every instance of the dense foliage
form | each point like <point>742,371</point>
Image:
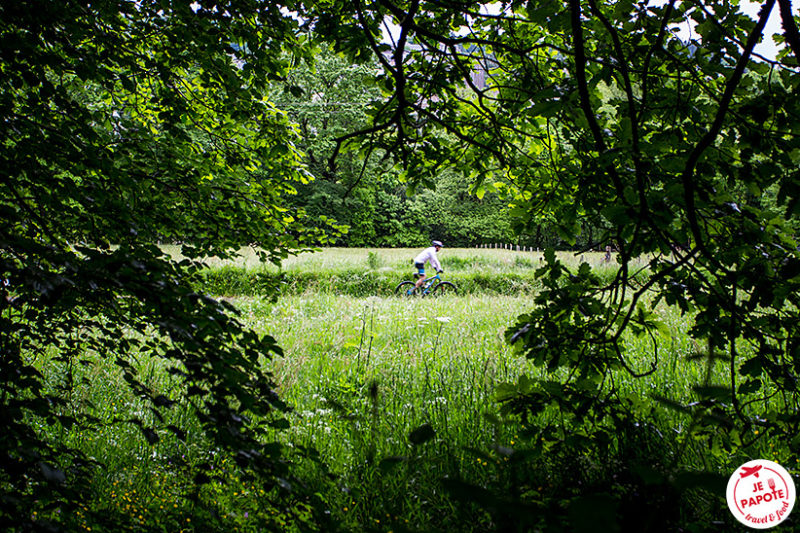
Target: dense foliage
<point>362,187</point>
<point>125,124</point>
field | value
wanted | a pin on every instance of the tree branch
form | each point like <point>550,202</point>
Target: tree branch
<point>688,172</point>
<point>583,90</point>
<point>789,27</point>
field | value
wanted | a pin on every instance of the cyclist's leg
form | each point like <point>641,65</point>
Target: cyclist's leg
<point>420,275</point>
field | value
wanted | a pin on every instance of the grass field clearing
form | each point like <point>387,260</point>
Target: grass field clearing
<point>395,394</point>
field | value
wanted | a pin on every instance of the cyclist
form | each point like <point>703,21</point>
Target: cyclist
<point>425,256</point>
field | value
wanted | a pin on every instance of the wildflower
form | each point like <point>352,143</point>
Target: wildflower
<point>443,319</point>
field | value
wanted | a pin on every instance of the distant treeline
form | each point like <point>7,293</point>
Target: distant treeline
<point>365,192</point>
<point>380,213</point>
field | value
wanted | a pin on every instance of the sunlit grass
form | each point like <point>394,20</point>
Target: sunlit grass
<point>345,259</point>
<point>360,374</point>
<point>364,272</point>
<point>437,362</point>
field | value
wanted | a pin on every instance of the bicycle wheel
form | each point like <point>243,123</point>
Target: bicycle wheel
<point>444,287</point>
<point>403,288</point>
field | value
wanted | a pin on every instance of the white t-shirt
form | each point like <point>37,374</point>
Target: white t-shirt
<point>428,254</point>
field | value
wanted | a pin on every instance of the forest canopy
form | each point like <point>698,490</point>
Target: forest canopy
<point>126,125</point>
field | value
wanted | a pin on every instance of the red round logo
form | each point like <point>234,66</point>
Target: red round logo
<point>761,494</point>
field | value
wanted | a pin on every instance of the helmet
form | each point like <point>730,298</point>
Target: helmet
<point>437,243</point>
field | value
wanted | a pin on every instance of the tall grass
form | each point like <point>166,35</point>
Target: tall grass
<point>365,272</point>
<point>344,259</point>
<point>363,373</point>
<point>396,395</point>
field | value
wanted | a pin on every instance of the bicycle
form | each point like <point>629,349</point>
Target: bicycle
<point>434,286</point>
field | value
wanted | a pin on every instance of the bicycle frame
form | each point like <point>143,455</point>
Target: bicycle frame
<point>425,288</point>
<point>432,285</point>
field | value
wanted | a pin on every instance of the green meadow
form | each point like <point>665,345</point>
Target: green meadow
<point>376,272</point>
<point>395,418</point>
